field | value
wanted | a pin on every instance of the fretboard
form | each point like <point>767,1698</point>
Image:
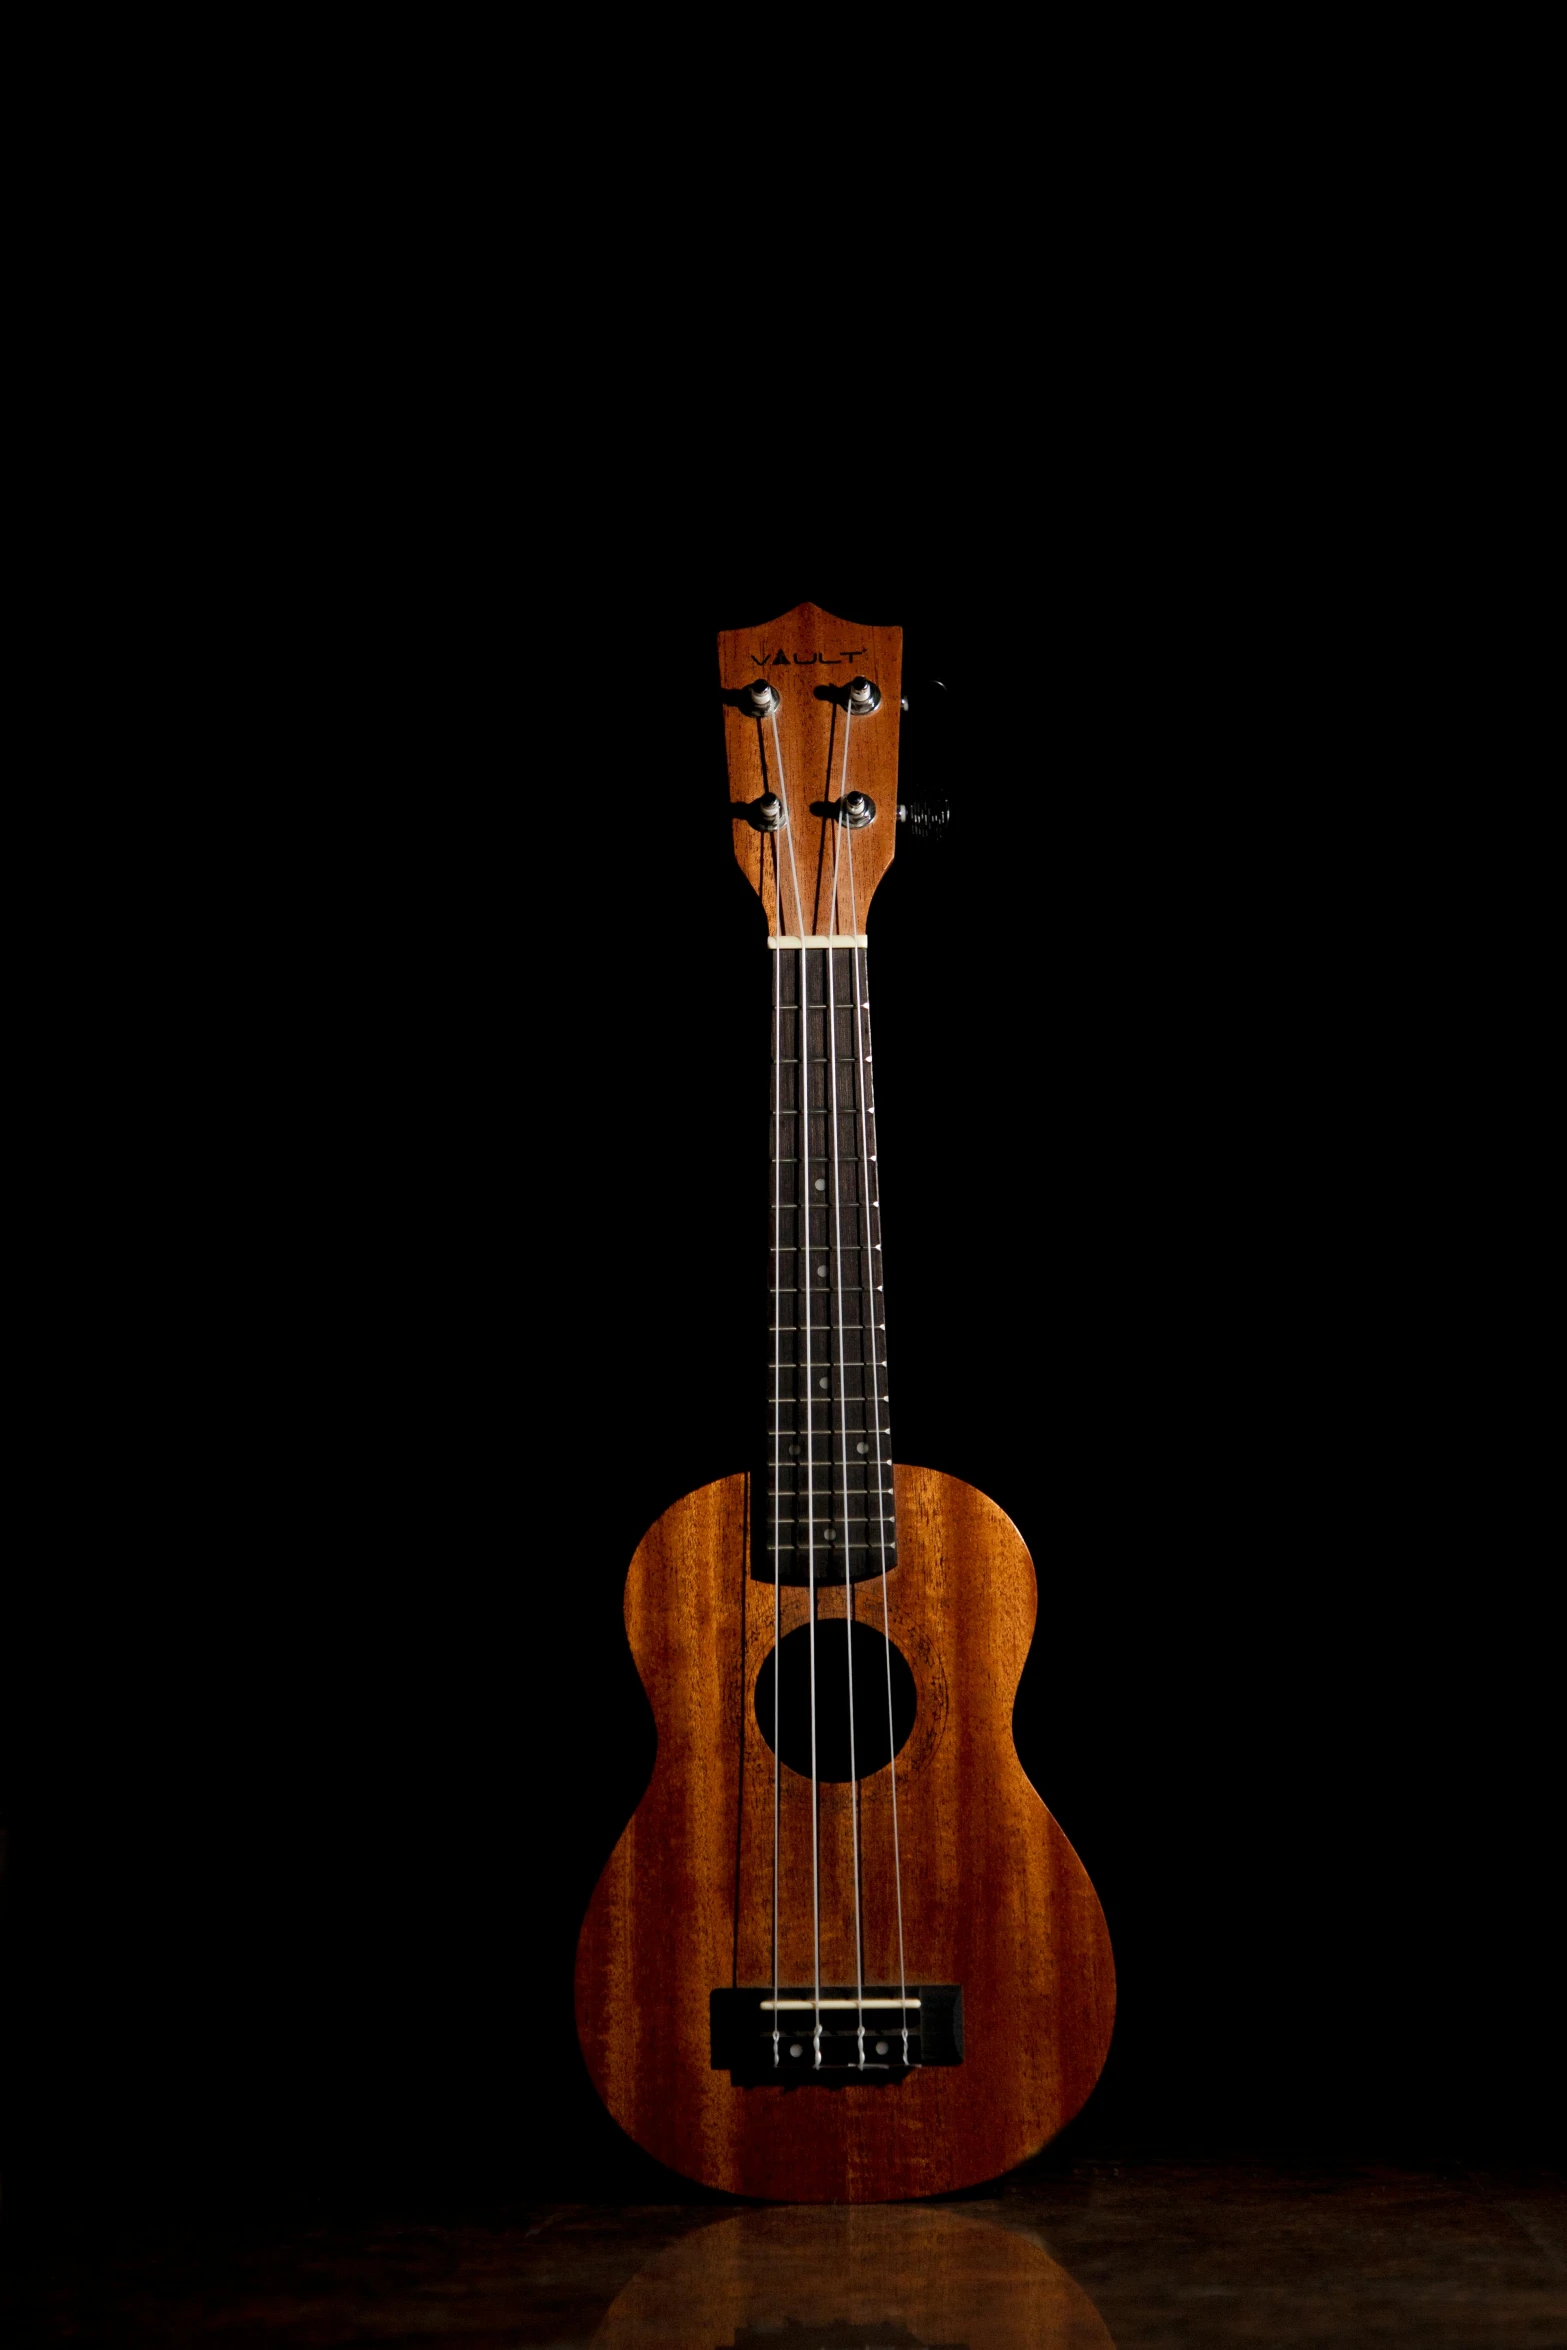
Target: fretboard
<point>829,1444</point>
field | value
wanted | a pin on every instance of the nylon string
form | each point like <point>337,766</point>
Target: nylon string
<point>777,1424</point>
<point>802,1291</point>
<point>843,1417</point>
<point>862,1080</point>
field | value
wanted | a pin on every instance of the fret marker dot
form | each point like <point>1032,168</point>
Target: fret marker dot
<point>821,1183</point>
<point>821,1272</point>
<point>862,1448</point>
<point>821,1382</point>
<point>795,1449</point>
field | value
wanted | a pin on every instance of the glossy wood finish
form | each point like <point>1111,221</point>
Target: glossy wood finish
<point>994,1896</point>
<point>821,654</point>
<point>852,2276</point>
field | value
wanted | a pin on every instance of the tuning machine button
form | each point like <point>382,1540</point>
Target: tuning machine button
<point>927,747</point>
<point>925,819</point>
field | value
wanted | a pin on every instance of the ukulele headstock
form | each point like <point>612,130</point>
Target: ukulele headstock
<point>811,712</point>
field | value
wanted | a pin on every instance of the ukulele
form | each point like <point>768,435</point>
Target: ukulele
<point>842,1952</point>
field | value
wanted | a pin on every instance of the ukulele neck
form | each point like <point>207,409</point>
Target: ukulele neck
<point>829,1502</point>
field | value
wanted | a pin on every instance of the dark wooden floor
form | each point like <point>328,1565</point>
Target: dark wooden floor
<point>1135,2252</point>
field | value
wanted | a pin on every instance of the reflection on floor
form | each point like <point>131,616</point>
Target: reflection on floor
<point>1145,2254</point>
<point>907,2276</point>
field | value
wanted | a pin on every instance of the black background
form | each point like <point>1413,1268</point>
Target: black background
<point>417,1220</point>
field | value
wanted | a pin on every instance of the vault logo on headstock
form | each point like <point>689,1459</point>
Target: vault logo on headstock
<point>804,660</point>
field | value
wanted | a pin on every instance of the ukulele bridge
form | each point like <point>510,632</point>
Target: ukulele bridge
<point>761,2043</point>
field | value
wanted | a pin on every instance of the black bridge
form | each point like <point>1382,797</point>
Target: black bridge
<point>744,2024</point>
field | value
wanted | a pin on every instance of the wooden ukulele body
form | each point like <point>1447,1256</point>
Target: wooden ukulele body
<point>994,1897</point>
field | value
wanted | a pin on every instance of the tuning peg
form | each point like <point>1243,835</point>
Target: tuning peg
<point>925,748</point>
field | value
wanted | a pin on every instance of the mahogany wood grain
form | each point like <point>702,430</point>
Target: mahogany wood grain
<point>994,1897</point>
<point>821,654</point>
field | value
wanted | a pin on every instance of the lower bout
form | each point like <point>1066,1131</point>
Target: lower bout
<point>842,2145</point>
<point>934,2129</point>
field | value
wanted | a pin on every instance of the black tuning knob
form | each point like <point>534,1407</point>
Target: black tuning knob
<point>924,750</point>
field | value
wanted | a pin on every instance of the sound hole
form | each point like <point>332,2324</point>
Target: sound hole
<point>872,1748</point>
